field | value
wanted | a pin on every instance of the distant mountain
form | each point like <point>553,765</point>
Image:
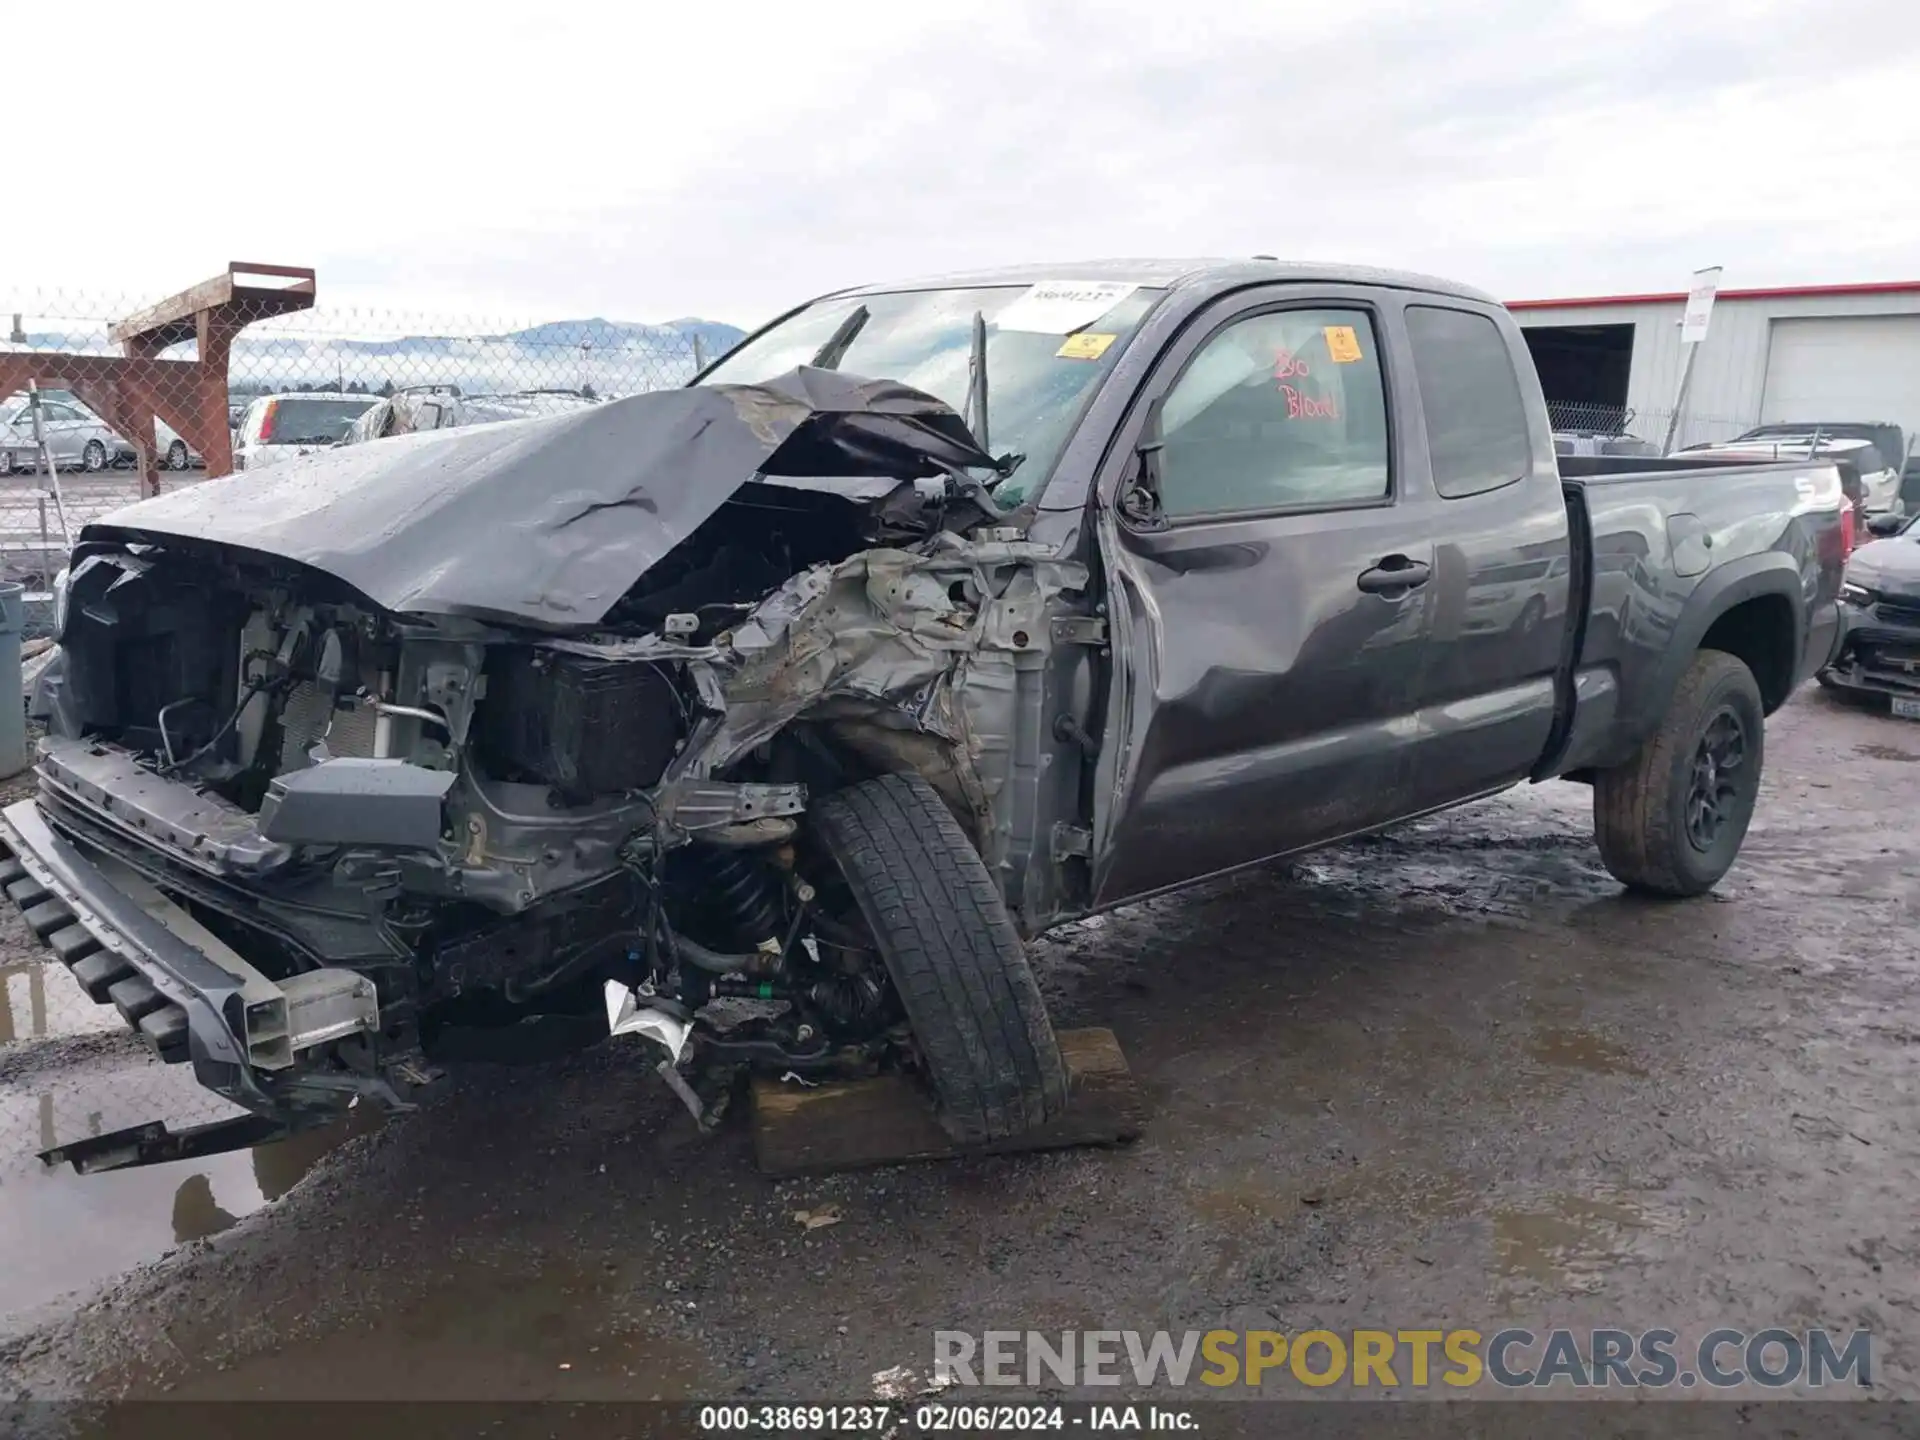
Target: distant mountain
<point>612,357</point>
<point>715,337</point>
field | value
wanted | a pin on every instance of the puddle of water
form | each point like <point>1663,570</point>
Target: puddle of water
<point>40,1000</point>
<point>1573,1049</point>
<point>72,1069</point>
<point>61,1232</point>
<point>557,1334</point>
<point>1572,1241</point>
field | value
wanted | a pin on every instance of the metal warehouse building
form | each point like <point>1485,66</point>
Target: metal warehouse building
<point>1824,352</point>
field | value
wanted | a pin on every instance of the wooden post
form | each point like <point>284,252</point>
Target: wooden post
<point>847,1125</point>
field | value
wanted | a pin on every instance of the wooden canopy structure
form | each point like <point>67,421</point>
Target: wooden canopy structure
<point>131,390</point>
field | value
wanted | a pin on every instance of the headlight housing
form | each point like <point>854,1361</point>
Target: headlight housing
<point>1856,594</point>
<point>62,583</point>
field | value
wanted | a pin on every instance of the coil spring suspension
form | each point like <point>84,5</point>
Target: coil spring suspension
<point>751,894</point>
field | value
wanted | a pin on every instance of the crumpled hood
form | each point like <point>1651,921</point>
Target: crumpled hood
<point>548,522</point>
<point>1892,565</point>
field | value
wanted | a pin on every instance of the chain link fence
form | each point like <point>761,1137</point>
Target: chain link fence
<point>1652,427</point>
<point>295,379</point>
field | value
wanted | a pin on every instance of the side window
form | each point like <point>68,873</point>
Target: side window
<point>1277,411</point>
<point>1476,423</point>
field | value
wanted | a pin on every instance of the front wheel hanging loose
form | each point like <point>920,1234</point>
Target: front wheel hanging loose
<point>953,955</point>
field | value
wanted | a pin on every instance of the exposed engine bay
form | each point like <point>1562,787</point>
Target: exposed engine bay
<point>524,835</point>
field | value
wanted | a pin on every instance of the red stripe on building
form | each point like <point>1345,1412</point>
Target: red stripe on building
<point>1679,297</point>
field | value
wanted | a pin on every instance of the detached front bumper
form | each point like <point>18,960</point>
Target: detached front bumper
<point>129,946</point>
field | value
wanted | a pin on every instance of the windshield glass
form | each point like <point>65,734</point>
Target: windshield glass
<point>1037,379</point>
<point>314,422</point>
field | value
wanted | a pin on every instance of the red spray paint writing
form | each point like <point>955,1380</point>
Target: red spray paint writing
<point>1309,407</point>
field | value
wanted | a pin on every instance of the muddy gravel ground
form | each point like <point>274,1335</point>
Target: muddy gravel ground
<point>1446,1076</point>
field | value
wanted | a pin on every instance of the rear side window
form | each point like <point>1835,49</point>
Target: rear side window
<point>1476,423</point>
<point>315,422</point>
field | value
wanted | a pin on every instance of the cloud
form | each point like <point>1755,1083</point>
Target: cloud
<point>653,161</point>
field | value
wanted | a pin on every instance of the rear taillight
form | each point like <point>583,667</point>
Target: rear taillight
<point>266,420</point>
<point>1846,532</point>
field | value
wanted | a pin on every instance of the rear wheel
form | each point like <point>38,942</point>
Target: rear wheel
<point>951,950</point>
<point>177,455</point>
<point>1671,820</point>
<point>94,457</point>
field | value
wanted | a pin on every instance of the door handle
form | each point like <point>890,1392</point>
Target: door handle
<point>1395,573</point>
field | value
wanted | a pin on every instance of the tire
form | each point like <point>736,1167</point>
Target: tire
<point>953,954</point>
<point>94,457</point>
<point>1653,833</point>
<point>177,455</point>
<point>6,462</point>
<point>1530,617</point>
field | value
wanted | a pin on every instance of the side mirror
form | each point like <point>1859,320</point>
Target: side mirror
<point>1884,525</point>
<point>1140,491</point>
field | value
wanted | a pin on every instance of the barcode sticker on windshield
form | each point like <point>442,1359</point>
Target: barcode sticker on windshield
<point>1059,307</point>
<point>1084,346</point>
<point>1342,344</point>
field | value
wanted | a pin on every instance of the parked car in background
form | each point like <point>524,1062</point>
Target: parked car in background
<point>1879,481</point>
<point>174,452</point>
<point>78,438</point>
<point>1892,449</point>
<point>1894,445</point>
<point>443,407</point>
<point>1879,651</point>
<point>280,427</point>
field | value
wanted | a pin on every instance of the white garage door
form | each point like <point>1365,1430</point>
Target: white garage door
<point>1861,368</point>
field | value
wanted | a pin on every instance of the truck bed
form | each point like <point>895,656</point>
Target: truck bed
<point>1753,541</point>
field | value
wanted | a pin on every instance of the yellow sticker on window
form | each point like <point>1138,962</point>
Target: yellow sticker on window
<point>1084,346</point>
<point>1342,344</point>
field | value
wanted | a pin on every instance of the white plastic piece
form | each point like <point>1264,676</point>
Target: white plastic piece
<point>627,1016</point>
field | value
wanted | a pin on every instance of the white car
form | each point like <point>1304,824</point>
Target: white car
<point>1879,477</point>
<point>442,407</point>
<point>174,452</point>
<point>280,427</point>
<point>77,437</point>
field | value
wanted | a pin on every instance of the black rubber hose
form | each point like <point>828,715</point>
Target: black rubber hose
<point>718,961</point>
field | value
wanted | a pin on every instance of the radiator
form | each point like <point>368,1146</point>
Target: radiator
<point>308,717</point>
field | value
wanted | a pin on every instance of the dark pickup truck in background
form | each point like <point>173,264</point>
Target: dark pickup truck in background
<point>792,685</point>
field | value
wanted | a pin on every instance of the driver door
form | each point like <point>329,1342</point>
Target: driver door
<point>1268,625</point>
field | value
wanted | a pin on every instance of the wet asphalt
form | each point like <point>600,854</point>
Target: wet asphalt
<point>1446,1076</point>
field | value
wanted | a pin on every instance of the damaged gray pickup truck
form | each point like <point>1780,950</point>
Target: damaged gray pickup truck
<point>804,688</point>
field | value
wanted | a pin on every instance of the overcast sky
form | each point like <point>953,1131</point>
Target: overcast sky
<point>650,161</point>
